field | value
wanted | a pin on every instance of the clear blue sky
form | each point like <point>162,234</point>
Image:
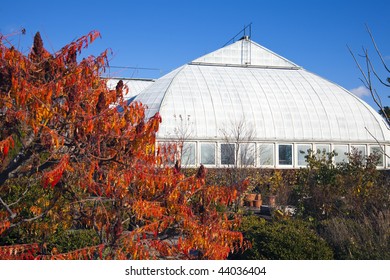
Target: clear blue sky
<point>167,34</point>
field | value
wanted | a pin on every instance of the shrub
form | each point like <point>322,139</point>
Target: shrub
<point>289,239</point>
<point>368,238</point>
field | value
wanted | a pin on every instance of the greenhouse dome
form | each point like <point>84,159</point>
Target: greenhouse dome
<point>245,105</point>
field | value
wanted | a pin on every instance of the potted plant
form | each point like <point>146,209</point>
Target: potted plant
<point>258,202</point>
<point>275,183</point>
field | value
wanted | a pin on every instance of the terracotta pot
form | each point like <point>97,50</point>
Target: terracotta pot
<point>258,196</point>
<point>272,200</point>
<point>257,203</point>
<point>250,197</point>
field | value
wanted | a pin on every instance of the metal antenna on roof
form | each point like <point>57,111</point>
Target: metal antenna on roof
<point>249,26</point>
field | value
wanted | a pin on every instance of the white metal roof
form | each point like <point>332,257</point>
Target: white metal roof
<point>134,86</point>
<point>278,99</point>
<point>245,53</point>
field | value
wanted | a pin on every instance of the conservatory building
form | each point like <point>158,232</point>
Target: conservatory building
<point>248,106</point>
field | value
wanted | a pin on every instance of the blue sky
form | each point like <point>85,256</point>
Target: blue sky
<point>166,34</point>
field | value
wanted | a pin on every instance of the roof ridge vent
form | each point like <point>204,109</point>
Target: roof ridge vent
<point>245,37</point>
<point>242,31</point>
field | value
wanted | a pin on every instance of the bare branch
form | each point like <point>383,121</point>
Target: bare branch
<point>366,74</point>
<point>378,102</point>
<point>375,72</point>
<point>11,213</point>
<point>379,144</point>
<point>377,49</point>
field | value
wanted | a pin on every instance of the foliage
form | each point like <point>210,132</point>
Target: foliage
<point>351,188</point>
<point>282,240</point>
<point>70,162</point>
<point>263,181</point>
<point>367,238</point>
<point>349,202</point>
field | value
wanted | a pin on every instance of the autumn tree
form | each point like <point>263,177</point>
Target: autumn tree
<point>69,161</point>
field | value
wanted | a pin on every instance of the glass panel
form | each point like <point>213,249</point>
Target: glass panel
<point>322,148</point>
<point>360,150</point>
<point>227,154</point>
<point>167,152</point>
<point>188,154</point>
<point>377,150</point>
<point>247,154</point>
<point>266,153</point>
<point>285,154</point>
<point>302,151</point>
<point>341,153</point>
<point>207,153</point>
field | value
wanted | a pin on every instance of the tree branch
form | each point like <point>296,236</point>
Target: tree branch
<point>377,49</point>
<point>11,213</point>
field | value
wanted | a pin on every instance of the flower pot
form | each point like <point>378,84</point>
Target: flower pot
<point>250,197</point>
<point>257,203</point>
<point>272,200</point>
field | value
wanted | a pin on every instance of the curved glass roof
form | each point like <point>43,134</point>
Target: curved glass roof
<point>134,86</point>
<point>247,83</point>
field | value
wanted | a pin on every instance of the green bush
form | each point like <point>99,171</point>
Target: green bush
<point>282,240</point>
<point>325,190</point>
<point>69,240</point>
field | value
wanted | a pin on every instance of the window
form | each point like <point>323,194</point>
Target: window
<point>227,154</point>
<point>188,154</point>
<point>303,151</point>
<point>207,153</point>
<point>167,152</point>
<point>341,153</point>
<point>266,154</point>
<point>359,150</point>
<point>322,149</point>
<point>247,154</point>
<point>285,154</point>
<point>377,150</point>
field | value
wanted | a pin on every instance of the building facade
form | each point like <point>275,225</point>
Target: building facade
<point>244,105</point>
